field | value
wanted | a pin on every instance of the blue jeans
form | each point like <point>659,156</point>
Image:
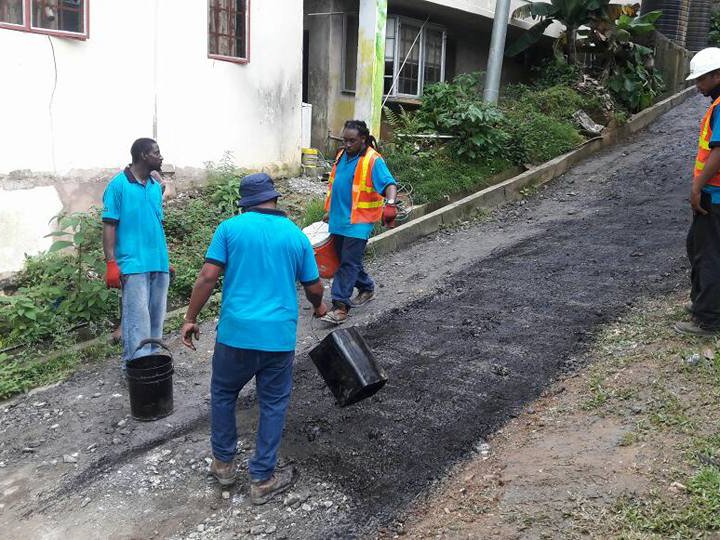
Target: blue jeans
<point>351,273</point>
<point>144,303</point>
<point>232,368</point>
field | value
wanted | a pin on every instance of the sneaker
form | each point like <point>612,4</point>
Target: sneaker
<point>362,298</point>
<point>280,481</point>
<point>693,329</point>
<point>223,471</point>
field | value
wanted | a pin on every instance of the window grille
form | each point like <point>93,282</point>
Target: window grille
<point>228,29</point>
<point>67,18</point>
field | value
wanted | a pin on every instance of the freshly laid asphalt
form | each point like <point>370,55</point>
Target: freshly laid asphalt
<point>470,325</point>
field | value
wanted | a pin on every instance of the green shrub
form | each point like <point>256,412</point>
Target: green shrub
<point>436,175</point>
<point>558,102</point>
<point>634,85</point>
<point>714,35</point>
<point>189,226</point>
<point>62,288</point>
<point>458,109</point>
<point>541,138</point>
<point>555,72</point>
<point>561,102</point>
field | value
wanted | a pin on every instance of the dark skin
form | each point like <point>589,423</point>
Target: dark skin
<point>148,164</point>
<point>705,84</point>
<point>206,282</point>
<point>355,144</point>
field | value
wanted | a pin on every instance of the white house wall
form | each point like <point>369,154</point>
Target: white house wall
<point>143,52</point>
<point>71,108</point>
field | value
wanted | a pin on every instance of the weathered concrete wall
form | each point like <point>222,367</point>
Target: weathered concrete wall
<point>331,106</point>
<point>72,108</point>
<point>147,59</point>
<point>24,217</point>
<point>673,61</point>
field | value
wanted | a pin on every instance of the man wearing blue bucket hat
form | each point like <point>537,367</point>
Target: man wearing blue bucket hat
<point>262,254</point>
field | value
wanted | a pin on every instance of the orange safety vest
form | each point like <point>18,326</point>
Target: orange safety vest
<point>367,204</point>
<point>704,146</point>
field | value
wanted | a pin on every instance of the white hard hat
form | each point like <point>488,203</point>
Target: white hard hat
<point>704,62</point>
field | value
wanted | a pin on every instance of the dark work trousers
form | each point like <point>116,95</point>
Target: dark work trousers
<point>703,248</point>
<point>351,273</point>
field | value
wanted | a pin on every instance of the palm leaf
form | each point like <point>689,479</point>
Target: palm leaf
<point>534,10</point>
<point>528,39</point>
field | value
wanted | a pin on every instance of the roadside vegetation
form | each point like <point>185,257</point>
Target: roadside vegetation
<point>455,142</point>
<point>666,388</point>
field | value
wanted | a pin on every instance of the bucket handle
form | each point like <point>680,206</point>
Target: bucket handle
<point>154,341</point>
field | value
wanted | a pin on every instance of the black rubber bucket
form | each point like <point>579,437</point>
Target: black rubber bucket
<point>150,384</point>
<point>348,366</point>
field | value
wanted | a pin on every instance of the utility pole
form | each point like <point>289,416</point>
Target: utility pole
<point>497,51</point>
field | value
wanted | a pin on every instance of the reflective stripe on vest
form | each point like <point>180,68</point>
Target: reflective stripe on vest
<point>366,202</point>
<point>704,146</point>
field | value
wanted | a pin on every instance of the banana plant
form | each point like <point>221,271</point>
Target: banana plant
<point>570,13</point>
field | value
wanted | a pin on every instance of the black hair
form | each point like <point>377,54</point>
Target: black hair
<point>363,130</point>
<point>140,147</point>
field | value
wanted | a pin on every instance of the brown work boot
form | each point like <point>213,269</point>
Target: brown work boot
<point>336,316</point>
<point>362,298</point>
<point>223,471</point>
<point>280,481</point>
<point>694,329</point>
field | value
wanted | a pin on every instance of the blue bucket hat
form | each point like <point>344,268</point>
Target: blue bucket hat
<point>256,189</point>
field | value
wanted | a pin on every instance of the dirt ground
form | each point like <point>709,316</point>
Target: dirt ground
<point>472,326</point>
<point>571,465</point>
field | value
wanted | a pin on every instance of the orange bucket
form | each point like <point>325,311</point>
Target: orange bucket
<point>326,257</point>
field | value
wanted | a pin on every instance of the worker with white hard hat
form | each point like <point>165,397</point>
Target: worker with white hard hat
<point>703,241</point>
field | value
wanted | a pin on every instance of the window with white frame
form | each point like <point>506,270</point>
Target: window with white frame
<point>57,17</point>
<point>228,33</point>
<point>414,55</point>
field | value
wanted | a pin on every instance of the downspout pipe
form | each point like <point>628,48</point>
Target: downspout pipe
<point>497,51</point>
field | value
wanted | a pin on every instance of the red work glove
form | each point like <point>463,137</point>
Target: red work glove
<point>112,275</point>
<point>389,214</point>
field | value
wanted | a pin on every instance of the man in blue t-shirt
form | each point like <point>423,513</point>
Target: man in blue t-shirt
<point>263,255</point>
<point>135,249</point>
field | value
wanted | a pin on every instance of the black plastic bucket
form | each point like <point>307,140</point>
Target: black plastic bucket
<point>150,384</point>
<point>348,366</point>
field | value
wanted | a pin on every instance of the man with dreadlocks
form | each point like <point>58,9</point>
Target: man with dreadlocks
<point>361,192</point>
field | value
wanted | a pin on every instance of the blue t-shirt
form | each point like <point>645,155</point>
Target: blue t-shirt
<point>264,254</point>
<point>140,244</point>
<point>341,202</point>
<point>714,191</point>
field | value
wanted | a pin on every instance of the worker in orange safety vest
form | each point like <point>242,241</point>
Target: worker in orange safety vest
<point>361,192</point>
<point>703,241</point>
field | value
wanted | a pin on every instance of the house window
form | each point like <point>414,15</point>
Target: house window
<point>56,17</point>
<point>228,30</point>
<point>420,47</point>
